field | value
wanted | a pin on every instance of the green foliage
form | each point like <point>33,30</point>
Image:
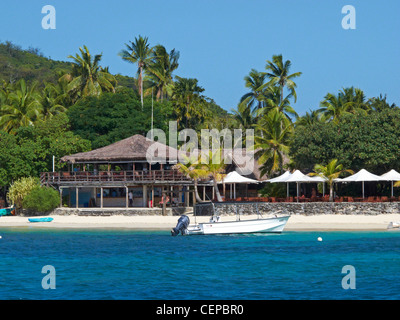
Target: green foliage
<point>41,199</point>
<point>369,141</point>
<point>30,151</point>
<point>20,189</point>
<point>114,116</point>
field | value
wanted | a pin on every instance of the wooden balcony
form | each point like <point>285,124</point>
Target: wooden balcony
<point>91,178</point>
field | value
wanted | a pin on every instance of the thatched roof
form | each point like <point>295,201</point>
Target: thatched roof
<point>134,148</point>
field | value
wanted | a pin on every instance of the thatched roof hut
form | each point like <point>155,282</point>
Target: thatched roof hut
<point>135,148</point>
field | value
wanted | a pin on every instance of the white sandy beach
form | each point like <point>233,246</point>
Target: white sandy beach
<point>296,222</point>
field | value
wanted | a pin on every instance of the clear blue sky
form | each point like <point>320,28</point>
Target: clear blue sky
<point>220,41</point>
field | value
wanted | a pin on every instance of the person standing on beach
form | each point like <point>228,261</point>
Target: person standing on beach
<point>130,195</point>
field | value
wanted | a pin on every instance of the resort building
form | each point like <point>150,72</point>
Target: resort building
<point>120,175</point>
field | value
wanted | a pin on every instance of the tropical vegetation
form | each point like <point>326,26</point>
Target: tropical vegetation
<point>50,107</point>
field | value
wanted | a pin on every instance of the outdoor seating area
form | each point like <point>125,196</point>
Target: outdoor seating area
<point>314,199</point>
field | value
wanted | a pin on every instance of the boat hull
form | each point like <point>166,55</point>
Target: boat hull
<point>267,225</point>
<point>40,219</point>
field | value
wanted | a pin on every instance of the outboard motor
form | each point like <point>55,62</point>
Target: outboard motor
<point>182,225</point>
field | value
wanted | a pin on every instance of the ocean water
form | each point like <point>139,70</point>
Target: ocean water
<point>123,264</point>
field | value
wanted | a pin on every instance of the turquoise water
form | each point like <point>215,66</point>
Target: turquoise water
<point>153,265</point>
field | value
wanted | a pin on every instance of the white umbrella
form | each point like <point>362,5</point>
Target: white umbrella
<point>361,176</point>
<point>233,178</point>
<point>391,176</point>
<point>281,178</point>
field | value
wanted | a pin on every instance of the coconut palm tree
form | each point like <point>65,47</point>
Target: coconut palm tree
<point>193,170</point>
<point>273,145</point>
<point>23,107</point>
<point>51,101</point>
<point>278,74</point>
<point>255,81</point>
<point>140,52</point>
<point>309,118</point>
<point>88,78</point>
<point>347,101</point>
<point>331,171</point>
<point>161,69</point>
<point>189,103</point>
<point>272,99</point>
<point>214,167</point>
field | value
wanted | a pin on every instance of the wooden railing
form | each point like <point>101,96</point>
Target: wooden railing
<point>112,176</point>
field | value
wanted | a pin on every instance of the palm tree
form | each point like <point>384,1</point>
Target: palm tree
<point>88,78</point>
<point>214,167</point>
<point>22,109</point>
<point>347,101</point>
<point>140,52</point>
<point>191,169</point>
<point>161,68</point>
<point>255,81</point>
<point>188,101</point>
<point>309,118</point>
<point>331,171</point>
<point>273,99</point>
<point>273,145</point>
<point>278,73</point>
<point>51,101</point>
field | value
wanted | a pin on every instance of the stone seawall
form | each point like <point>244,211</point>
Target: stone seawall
<point>121,211</point>
<point>291,208</point>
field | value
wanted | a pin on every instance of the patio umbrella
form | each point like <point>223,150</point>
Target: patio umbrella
<point>391,176</point>
<point>281,178</point>
<point>233,178</point>
<point>361,176</point>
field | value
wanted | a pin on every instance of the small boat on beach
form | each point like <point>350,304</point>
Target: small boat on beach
<point>46,219</point>
<point>274,224</point>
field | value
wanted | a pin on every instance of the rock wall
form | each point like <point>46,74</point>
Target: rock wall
<point>120,211</point>
<point>291,208</point>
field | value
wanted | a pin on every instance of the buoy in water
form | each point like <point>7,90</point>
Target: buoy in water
<point>319,239</point>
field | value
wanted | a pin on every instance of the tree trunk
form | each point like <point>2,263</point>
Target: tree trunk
<point>331,192</point>
<point>141,85</point>
<point>197,193</point>
<point>219,198</point>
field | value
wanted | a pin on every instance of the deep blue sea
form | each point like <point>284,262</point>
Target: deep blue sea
<point>115,264</point>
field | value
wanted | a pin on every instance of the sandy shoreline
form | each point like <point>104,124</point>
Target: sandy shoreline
<point>296,222</point>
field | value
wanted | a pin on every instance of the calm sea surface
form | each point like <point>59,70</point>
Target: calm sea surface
<point>111,264</point>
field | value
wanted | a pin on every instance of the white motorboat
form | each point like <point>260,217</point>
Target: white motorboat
<point>274,224</point>
<point>270,225</point>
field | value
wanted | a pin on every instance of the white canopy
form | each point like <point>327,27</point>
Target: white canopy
<point>234,177</point>
<point>281,178</point>
<point>298,176</point>
<point>362,175</point>
<point>392,175</point>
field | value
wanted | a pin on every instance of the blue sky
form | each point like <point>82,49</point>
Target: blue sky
<point>220,41</point>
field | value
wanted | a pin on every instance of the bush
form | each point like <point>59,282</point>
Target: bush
<point>41,199</point>
<point>20,189</point>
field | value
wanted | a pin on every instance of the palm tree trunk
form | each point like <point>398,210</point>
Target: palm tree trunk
<point>331,192</point>
<point>196,192</point>
<point>141,85</point>
<point>219,198</point>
